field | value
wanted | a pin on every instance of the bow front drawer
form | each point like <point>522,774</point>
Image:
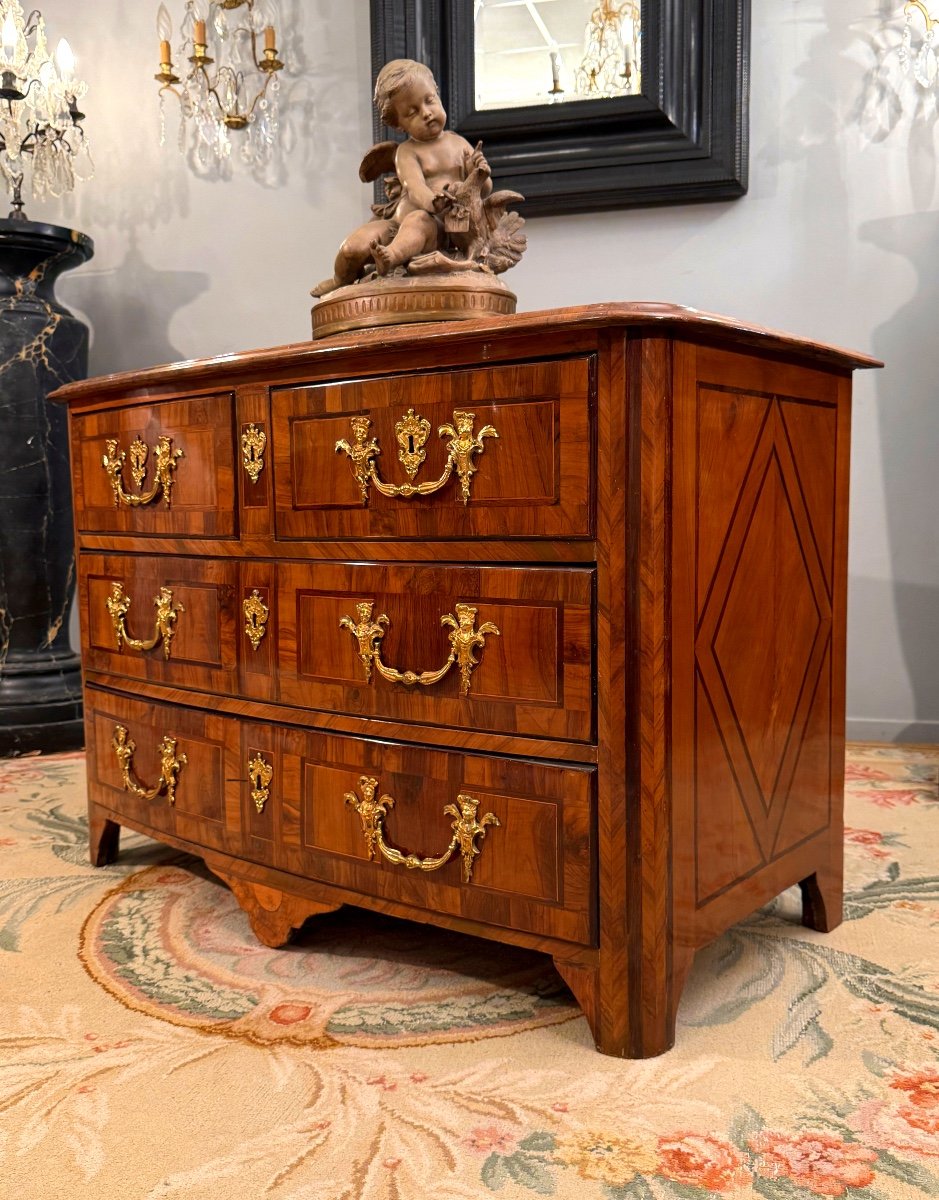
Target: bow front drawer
<point>167,769</point>
<point>490,452</point>
<point>168,620</point>
<point>507,649</point>
<point>163,469</point>
<point>504,841</point>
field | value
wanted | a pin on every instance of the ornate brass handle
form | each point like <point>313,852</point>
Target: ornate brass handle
<point>166,456</point>
<point>464,639</point>
<point>466,829</point>
<point>260,774</point>
<point>118,603</point>
<point>171,764</point>
<point>411,433</point>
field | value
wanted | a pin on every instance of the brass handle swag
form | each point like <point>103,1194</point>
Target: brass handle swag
<point>163,475</point>
<point>166,617</point>
<point>466,829</point>
<point>171,764</point>
<point>411,433</point>
<point>464,640</point>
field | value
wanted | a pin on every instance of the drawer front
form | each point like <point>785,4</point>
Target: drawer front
<point>176,477</point>
<point>485,648</point>
<point>509,446</point>
<point>345,805</point>
<point>169,620</point>
<point>175,770</point>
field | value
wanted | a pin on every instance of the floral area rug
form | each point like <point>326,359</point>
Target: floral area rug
<point>152,1049</point>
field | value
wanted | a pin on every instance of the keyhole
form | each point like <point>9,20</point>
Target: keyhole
<point>410,443</point>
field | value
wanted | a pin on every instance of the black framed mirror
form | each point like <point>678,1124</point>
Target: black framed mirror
<point>682,138</point>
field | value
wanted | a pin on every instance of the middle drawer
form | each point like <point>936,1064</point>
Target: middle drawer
<point>501,649</point>
<point>506,649</point>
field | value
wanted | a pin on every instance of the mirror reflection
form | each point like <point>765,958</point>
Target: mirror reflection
<point>530,52</point>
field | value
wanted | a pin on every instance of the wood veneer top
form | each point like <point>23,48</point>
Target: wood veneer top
<point>681,321</point>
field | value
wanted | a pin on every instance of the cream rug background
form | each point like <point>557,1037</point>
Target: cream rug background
<point>151,1048</point>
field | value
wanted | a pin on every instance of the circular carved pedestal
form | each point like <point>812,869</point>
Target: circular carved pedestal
<point>408,299</point>
<point>42,346</point>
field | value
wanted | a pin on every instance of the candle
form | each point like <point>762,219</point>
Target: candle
<point>165,56</point>
<point>555,68</point>
<point>9,36</point>
<point>65,60</point>
<point>199,35</point>
<point>270,42</point>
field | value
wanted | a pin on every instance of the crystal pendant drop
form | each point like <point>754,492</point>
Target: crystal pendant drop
<point>925,66</point>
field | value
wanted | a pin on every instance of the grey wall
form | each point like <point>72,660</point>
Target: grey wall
<point>836,240</point>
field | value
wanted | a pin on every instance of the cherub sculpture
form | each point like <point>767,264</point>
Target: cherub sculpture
<point>441,214</point>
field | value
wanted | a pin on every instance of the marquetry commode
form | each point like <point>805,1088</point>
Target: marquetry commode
<point>530,627</point>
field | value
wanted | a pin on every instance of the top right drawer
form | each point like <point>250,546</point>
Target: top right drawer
<point>495,452</point>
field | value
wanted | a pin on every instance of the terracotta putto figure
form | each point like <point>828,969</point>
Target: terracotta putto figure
<point>441,216</point>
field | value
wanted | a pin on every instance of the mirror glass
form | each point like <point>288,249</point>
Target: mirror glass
<point>533,52</point>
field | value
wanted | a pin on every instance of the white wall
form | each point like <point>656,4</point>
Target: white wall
<point>836,240</point>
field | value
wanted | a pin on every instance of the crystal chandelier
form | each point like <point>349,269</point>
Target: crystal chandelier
<point>40,123</point>
<point>231,98</point>
<point>919,58</point>
<point>611,50</point>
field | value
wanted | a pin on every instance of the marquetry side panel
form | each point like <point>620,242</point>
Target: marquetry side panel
<point>757,506</point>
<point>202,495</point>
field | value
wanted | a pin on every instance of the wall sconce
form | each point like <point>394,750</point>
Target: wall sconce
<point>236,92</point>
<point>39,116</point>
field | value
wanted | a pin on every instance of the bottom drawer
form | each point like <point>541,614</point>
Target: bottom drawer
<point>506,842</point>
<point>174,770</point>
<point>377,818</point>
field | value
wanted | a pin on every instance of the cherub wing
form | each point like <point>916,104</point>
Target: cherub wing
<point>378,161</point>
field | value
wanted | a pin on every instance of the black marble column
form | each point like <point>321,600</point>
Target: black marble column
<point>42,346</point>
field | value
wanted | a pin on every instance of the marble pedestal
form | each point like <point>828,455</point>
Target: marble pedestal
<point>42,346</point>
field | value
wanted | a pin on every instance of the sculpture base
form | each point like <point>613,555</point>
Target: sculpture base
<point>403,300</point>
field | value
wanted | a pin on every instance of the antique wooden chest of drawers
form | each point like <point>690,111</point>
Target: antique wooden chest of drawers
<point>530,627</point>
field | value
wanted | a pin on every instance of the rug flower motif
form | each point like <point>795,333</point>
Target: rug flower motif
<point>151,1048</point>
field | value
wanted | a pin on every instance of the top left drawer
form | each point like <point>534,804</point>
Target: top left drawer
<point>165,469</point>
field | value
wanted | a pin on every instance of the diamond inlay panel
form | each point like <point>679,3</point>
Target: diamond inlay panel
<point>769,591</point>
<point>785,626</point>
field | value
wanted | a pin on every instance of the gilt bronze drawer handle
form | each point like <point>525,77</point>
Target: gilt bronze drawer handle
<point>464,639</point>
<point>171,764</point>
<point>167,615</point>
<point>256,615</point>
<point>166,456</point>
<point>411,433</point>
<point>260,774</point>
<point>466,829</point>
<point>253,441</point>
